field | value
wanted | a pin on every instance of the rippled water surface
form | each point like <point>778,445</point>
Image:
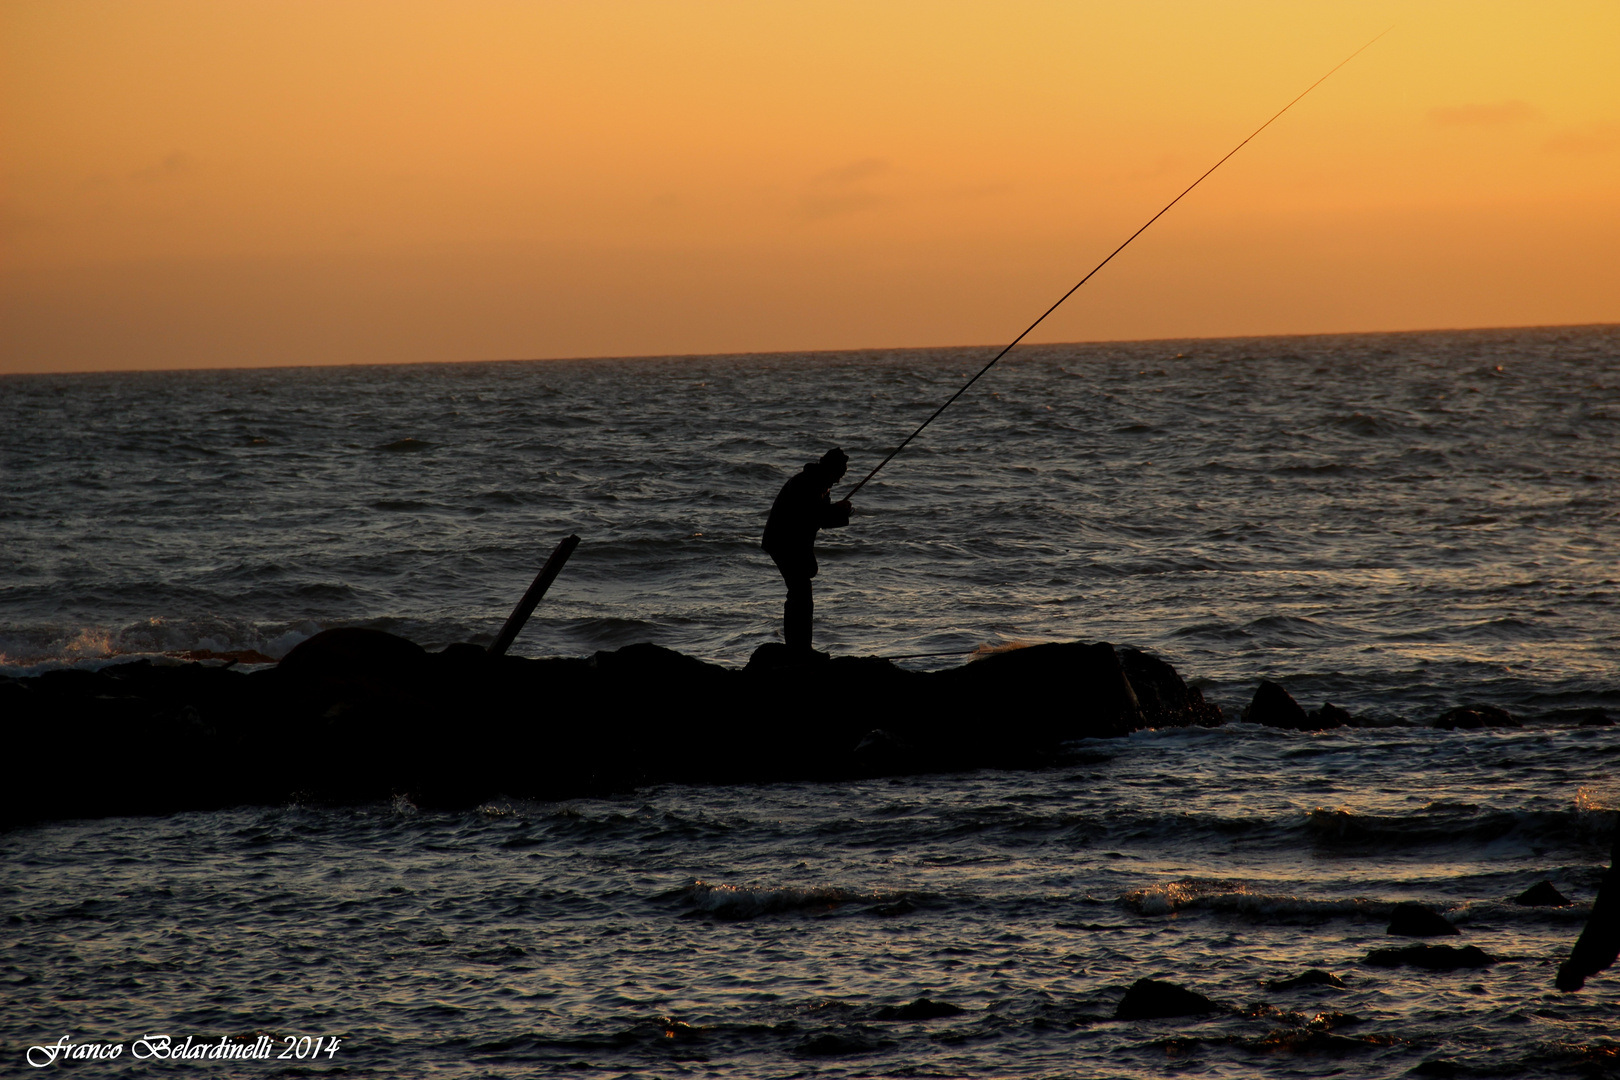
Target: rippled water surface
<point>1407,512</point>
<point>761,932</point>
<point>1399,523</point>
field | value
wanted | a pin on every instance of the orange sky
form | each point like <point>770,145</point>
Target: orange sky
<point>222,183</point>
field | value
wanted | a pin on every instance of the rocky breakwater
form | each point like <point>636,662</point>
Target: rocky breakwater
<point>359,715</point>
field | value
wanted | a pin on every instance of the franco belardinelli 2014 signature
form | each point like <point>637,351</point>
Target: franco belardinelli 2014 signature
<point>256,1047</point>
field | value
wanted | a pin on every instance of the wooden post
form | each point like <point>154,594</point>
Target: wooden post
<point>542,582</point>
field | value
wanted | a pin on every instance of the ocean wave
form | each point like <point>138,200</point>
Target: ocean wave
<point>1321,468</point>
<point>1359,423</point>
<point>734,903</point>
<point>35,649</point>
<point>1443,826</point>
<point>105,518</point>
<point>1237,898</point>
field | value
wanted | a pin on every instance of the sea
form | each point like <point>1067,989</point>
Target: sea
<point>1398,523</point>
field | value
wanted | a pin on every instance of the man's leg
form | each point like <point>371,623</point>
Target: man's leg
<point>797,613</point>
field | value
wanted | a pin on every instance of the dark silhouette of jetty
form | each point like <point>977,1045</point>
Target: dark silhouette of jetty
<point>355,715</point>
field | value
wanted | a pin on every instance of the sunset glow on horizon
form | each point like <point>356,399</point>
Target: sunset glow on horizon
<point>217,184</point>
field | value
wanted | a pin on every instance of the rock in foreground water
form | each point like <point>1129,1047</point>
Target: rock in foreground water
<point>1542,894</point>
<point>1431,957</point>
<point>1150,999</point>
<point>1415,920</point>
<point>1313,977</point>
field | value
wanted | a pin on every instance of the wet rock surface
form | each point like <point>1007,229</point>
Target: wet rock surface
<point>1431,957</point>
<point>1542,894</point>
<point>1313,977</point>
<point>1151,999</point>
<point>921,1009</point>
<point>1275,707</point>
<point>1470,717</point>
<point>1272,706</point>
<point>1165,700</point>
<point>1415,920</point>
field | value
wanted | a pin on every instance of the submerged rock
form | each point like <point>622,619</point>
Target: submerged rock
<point>921,1009</point>
<point>1313,977</point>
<point>1415,920</point>
<point>839,1044</point>
<point>902,906</point>
<point>1472,717</point>
<point>1431,957</point>
<point>1150,999</point>
<point>1542,894</point>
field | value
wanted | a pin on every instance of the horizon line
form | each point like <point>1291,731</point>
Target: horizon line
<point>800,352</point>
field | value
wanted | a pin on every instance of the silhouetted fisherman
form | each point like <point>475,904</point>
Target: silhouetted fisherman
<point>804,507</point>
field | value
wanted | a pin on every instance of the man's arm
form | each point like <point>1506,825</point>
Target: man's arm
<point>834,515</point>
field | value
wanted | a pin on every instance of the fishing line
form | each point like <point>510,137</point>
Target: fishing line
<point>1105,262</point>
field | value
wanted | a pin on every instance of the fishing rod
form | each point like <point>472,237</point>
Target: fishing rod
<point>1105,262</point>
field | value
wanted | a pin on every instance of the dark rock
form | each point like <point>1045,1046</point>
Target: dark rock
<point>1329,716</point>
<point>1332,1021</point>
<point>1431,957</point>
<point>901,906</point>
<point>880,753</point>
<point>1599,943</point>
<point>1542,894</point>
<point>1313,977</point>
<point>1165,700</point>
<point>776,656</point>
<point>1275,707</point>
<point>349,650</point>
<point>357,715</point>
<point>679,1031</point>
<point>831,1044</point>
<point>921,1009</point>
<point>464,657</point>
<point>1305,1042</point>
<point>648,661</point>
<point>338,670</point>
<point>1415,920</point>
<point>1597,718</point>
<point>1150,999</point>
<point>1063,687</point>
<point>1472,717</point>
